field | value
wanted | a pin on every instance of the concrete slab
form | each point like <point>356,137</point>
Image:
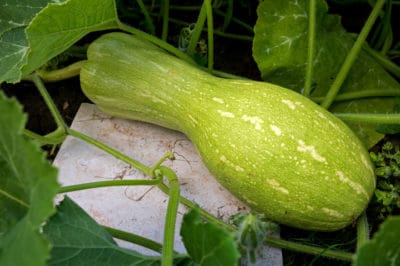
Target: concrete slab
<point>140,209</point>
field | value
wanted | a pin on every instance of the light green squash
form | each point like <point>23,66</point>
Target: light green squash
<point>276,150</point>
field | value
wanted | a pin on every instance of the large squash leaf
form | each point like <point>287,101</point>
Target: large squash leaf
<point>77,239</point>
<point>18,13</point>
<point>280,50</point>
<point>28,184</point>
<point>32,38</point>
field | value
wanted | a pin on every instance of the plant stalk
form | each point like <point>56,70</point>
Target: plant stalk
<point>210,35</point>
<point>136,239</point>
<point>146,170</point>
<point>197,31</point>
<point>166,46</point>
<point>360,94</point>
<point>49,102</point>
<point>170,220</point>
<point>147,17</point>
<point>362,230</point>
<point>334,254</point>
<point>204,214</point>
<point>228,15</point>
<point>54,138</point>
<point>67,72</point>
<point>310,47</point>
<point>165,9</point>
<point>383,61</point>
<point>109,183</point>
<point>352,56</point>
<point>370,118</point>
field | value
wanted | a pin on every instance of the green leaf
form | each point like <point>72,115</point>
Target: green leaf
<point>52,31</point>
<point>280,50</point>
<point>77,239</point>
<point>384,248</point>
<point>15,16</point>
<point>28,184</point>
<point>207,243</point>
<point>18,13</point>
<point>13,51</point>
<point>58,26</point>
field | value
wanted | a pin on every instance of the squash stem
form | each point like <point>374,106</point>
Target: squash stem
<point>235,36</point>
<point>210,35</point>
<point>136,239</point>
<point>362,230</point>
<point>49,102</point>
<point>166,46</point>
<point>360,94</point>
<point>67,72</point>
<point>54,138</point>
<point>383,61</point>
<point>228,15</point>
<point>204,214</point>
<point>170,220</point>
<point>165,9</point>
<point>334,254</point>
<point>147,17</point>
<point>146,170</point>
<point>352,56</point>
<point>194,39</point>
<point>168,155</point>
<point>310,48</point>
<point>109,183</point>
<point>369,118</point>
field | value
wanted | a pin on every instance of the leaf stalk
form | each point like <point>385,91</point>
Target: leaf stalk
<point>352,56</point>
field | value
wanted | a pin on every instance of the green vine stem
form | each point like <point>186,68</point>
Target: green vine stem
<point>351,57</point>
<point>136,239</point>
<point>194,39</point>
<point>240,23</point>
<point>185,8</point>
<point>146,170</point>
<point>49,102</point>
<point>362,230</point>
<point>166,46</point>
<point>310,47</point>
<point>168,155</point>
<point>210,34</point>
<point>204,214</point>
<point>334,254</point>
<point>382,37</point>
<point>69,71</point>
<point>383,61</point>
<point>54,138</point>
<point>147,17</point>
<point>216,32</point>
<point>109,183</point>
<point>228,15</point>
<point>360,94</point>
<point>165,9</point>
<point>172,211</point>
<point>370,118</point>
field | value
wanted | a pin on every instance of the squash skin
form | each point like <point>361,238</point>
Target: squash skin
<point>279,152</point>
